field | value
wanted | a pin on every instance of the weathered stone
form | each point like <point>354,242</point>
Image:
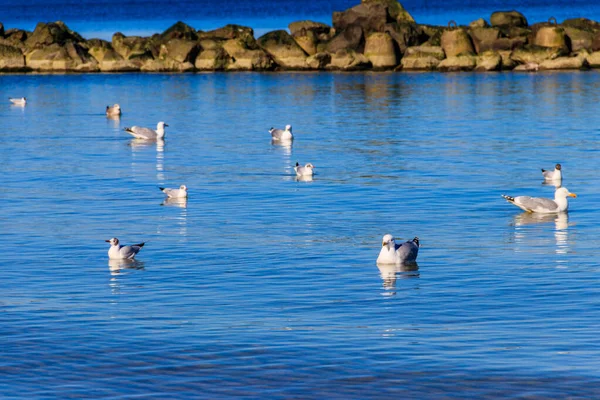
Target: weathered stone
<point>300,28</point>
<point>229,32</point>
<point>350,38</point>
<point>50,33</point>
<point>180,50</point>
<point>215,59</point>
<point>535,54</point>
<point>551,36</point>
<point>68,57</point>
<point>284,50</point>
<point>579,39</point>
<point>432,34</point>
<point>319,60</point>
<point>371,15</point>
<point>245,58</point>
<point>507,62</point>
<point>132,47</point>
<point>422,58</point>
<point>11,58</point>
<point>455,42</point>
<point>514,18</point>
<point>108,59</point>
<point>483,35</point>
<point>380,50</point>
<point>489,61</point>
<point>577,62</point>
<point>593,59</point>
<point>308,42</point>
<point>179,30</point>
<point>502,44</point>
<point>528,67</point>
<point>405,34</point>
<point>168,65</point>
<point>463,62</point>
<point>348,60</point>
<point>479,23</point>
<point>583,24</point>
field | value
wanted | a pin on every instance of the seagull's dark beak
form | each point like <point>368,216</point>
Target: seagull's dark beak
<point>166,125</point>
<point>107,241</point>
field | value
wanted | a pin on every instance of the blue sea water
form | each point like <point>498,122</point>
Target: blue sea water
<point>262,286</point>
<point>102,18</point>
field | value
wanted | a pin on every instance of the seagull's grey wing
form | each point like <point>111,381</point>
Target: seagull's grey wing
<point>276,133</point>
<point>131,251</point>
<point>548,174</point>
<point>407,251</point>
<point>142,133</point>
<point>535,203</point>
<point>170,192</point>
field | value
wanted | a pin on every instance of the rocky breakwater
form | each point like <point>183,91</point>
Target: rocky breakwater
<point>375,34</point>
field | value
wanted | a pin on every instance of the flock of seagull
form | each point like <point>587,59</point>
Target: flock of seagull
<point>391,252</point>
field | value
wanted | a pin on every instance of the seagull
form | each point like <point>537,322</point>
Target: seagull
<point>175,193</point>
<point>279,135</point>
<point>113,111</point>
<point>392,253</point>
<point>147,133</point>
<point>555,175</point>
<point>18,101</point>
<point>118,252</point>
<point>543,205</point>
<point>307,170</point>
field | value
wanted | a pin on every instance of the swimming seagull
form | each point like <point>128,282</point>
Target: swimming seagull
<point>118,252</point>
<point>279,135</point>
<point>18,101</point>
<point>555,175</point>
<point>113,111</point>
<point>147,133</point>
<point>543,205</point>
<point>392,253</point>
<point>175,193</point>
<point>307,170</point>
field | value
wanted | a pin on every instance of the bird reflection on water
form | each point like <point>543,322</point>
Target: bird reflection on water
<point>116,267</point>
<point>561,225</point>
<point>391,272</point>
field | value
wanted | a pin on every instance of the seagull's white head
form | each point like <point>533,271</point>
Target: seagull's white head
<point>161,125</point>
<point>113,241</point>
<point>183,187</point>
<point>309,165</point>
<point>288,128</point>
<point>563,193</point>
<point>117,107</point>
<point>388,240</point>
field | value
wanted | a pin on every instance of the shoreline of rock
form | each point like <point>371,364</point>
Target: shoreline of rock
<point>375,35</point>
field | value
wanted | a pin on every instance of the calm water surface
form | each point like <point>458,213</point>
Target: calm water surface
<point>261,286</point>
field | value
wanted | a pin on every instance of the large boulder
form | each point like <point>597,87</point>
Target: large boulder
<point>179,50</point>
<point>405,34</point>
<point>351,38</point>
<point>284,50</point>
<point>484,35</point>
<point>15,38</point>
<point>179,30</point>
<point>455,42</point>
<point>478,23</point>
<point>593,59</point>
<point>348,60</point>
<point>579,39</point>
<point>299,28</point>
<point>381,51</point>
<point>463,62</point>
<point>213,59</point>
<point>577,62</point>
<point>167,65</point>
<point>431,35</point>
<point>108,59</point>
<point>501,44</point>
<point>508,18</point>
<point>536,54</point>
<point>583,24</point>
<point>371,15</point>
<point>507,62</point>
<point>551,36</point>
<point>247,57</point>
<point>422,58</point>
<point>489,61</point>
<point>132,47</point>
<point>11,58</point>
<point>229,32</point>
<point>55,57</point>
<point>51,33</point>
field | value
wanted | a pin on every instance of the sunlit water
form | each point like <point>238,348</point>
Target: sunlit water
<point>263,286</point>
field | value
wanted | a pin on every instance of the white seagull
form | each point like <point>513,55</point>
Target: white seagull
<point>280,135</point>
<point>118,252</point>
<point>392,253</point>
<point>21,101</point>
<point>147,133</point>
<point>555,175</point>
<point>113,111</point>
<point>543,205</point>
<point>307,170</point>
<point>175,193</point>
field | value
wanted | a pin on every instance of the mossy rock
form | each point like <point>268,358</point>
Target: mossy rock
<point>179,30</point>
<point>11,58</point>
<point>508,18</point>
